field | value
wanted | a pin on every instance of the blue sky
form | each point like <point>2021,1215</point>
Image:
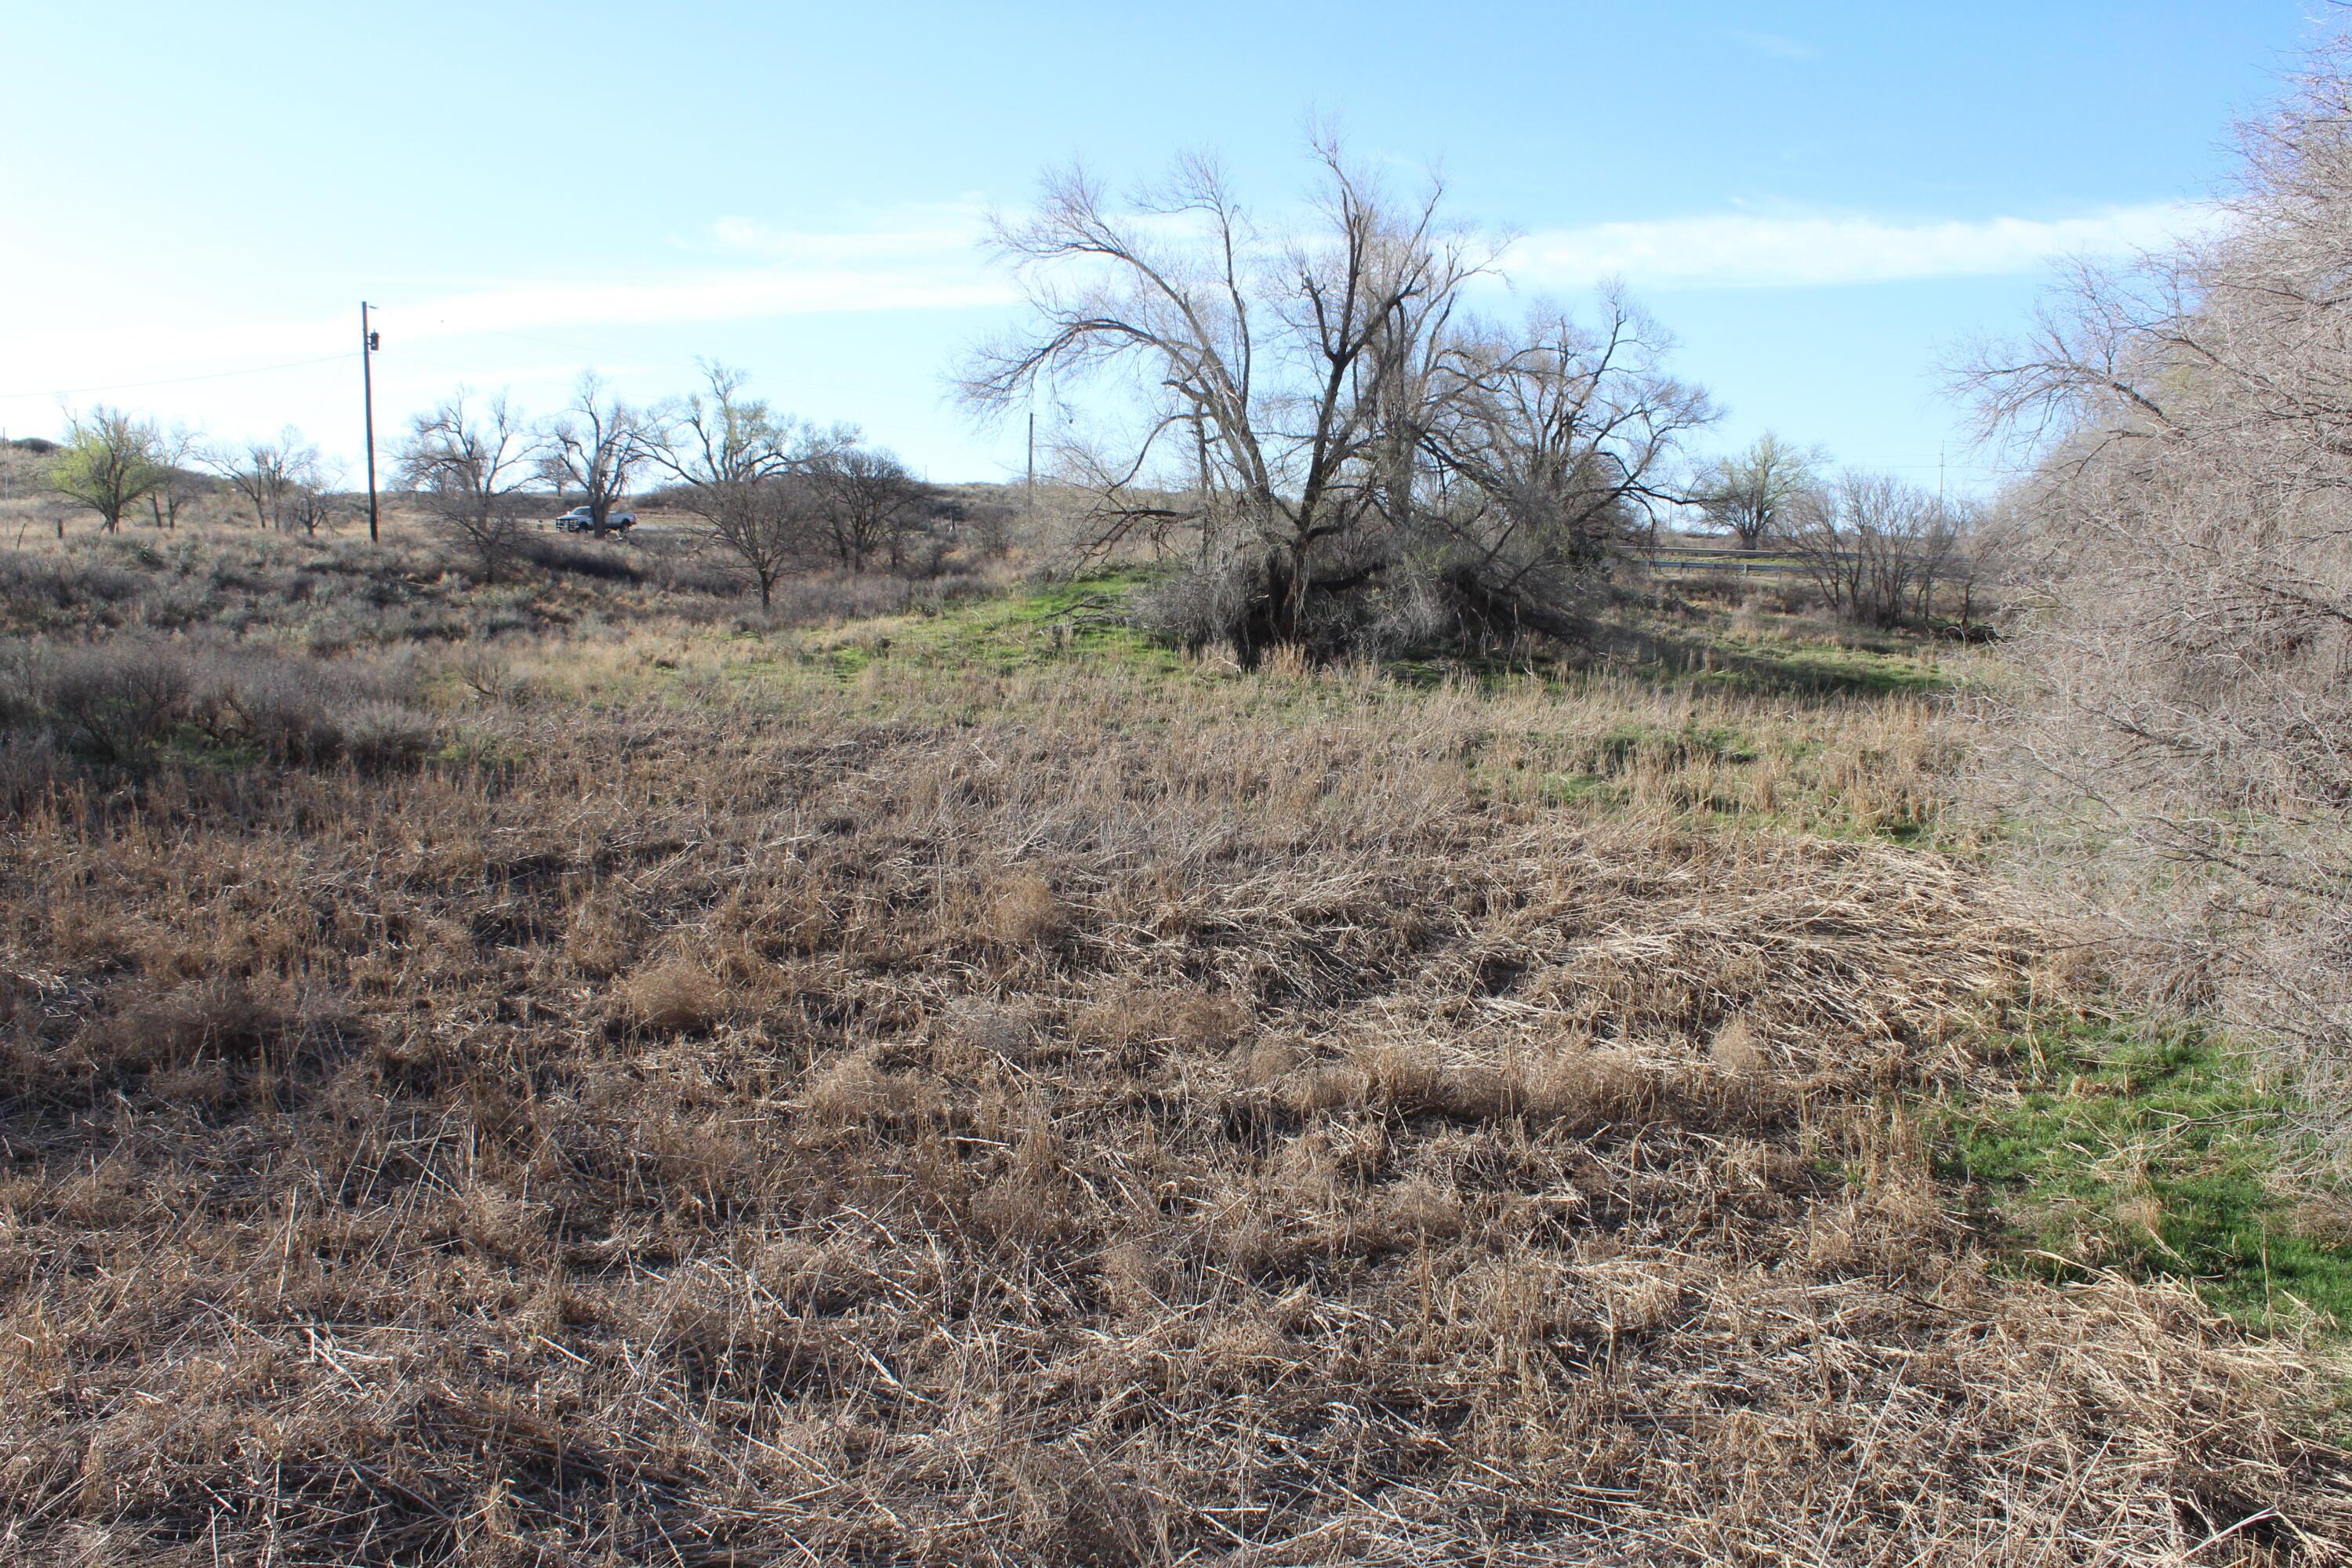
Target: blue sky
<point>1817,200</point>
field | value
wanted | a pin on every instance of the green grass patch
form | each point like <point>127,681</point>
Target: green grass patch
<point>1569,790</point>
<point>1005,632</point>
<point>2152,1152</point>
<point>1807,669</point>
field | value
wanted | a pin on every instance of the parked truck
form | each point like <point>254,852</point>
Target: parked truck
<point>581,519</point>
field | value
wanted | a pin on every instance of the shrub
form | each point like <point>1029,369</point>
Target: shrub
<point>115,702</point>
<point>1192,609</point>
<point>606,563</point>
<point>2190,536</point>
<point>299,711</point>
<point>33,581</point>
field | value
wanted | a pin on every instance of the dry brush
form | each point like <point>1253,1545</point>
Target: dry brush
<point>1036,1118</point>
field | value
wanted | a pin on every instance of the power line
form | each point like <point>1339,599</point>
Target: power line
<point>174,380</point>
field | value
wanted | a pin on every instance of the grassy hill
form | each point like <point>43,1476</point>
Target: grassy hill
<point>568,1071</point>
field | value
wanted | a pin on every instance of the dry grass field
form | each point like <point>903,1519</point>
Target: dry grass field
<point>564,1073</point>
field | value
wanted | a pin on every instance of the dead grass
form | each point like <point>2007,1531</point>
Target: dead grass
<point>675,997</point>
<point>735,1116</point>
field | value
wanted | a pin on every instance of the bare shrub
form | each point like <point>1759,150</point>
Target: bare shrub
<point>2189,531</point>
<point>989,525</point>
<point>1194,609</point>
<point>119,702</point>
<point>30,581</point>
<point>689,572</point>
<point>571,558</point>
<point>116,701</point>
<point>299,711</point>
<point>484,670</point>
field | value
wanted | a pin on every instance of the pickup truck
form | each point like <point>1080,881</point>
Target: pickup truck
<point>579,519</point>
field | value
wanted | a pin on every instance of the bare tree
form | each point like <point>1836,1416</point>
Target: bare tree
<point>110,463</point>
<point>178,450</point>
<point>595,447</point>
<point>867,503</point>
<point>1260,370</point>
<point>2189,541</point>
<point>768,530</point>
<point>466,463</point>
<point>1871,544</point>
<point>733,457</point>
<point>1548,446</point>
<point>313,504</point>
<point>268,474</point>
<point>1746,493</point>
<point>720,437</point>
<point>1317,412</point>
<point>1944,553</point>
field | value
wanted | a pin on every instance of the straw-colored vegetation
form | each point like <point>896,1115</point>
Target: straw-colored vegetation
<point>959,1086</point>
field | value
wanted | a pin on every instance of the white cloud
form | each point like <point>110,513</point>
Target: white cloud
<point>98,341</point>
<point>1739,251</point>
<point>913,231</point>
<point>742,294</point>
<point>925,258</point>
<point>1774,45</point>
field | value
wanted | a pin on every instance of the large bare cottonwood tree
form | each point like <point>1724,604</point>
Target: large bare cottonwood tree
<point>1545,445</point>
<point>1316,409</point>
<point>1262,366</point>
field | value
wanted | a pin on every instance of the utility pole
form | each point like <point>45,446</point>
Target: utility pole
<point>1032,456</point>
<point>368,341</point>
